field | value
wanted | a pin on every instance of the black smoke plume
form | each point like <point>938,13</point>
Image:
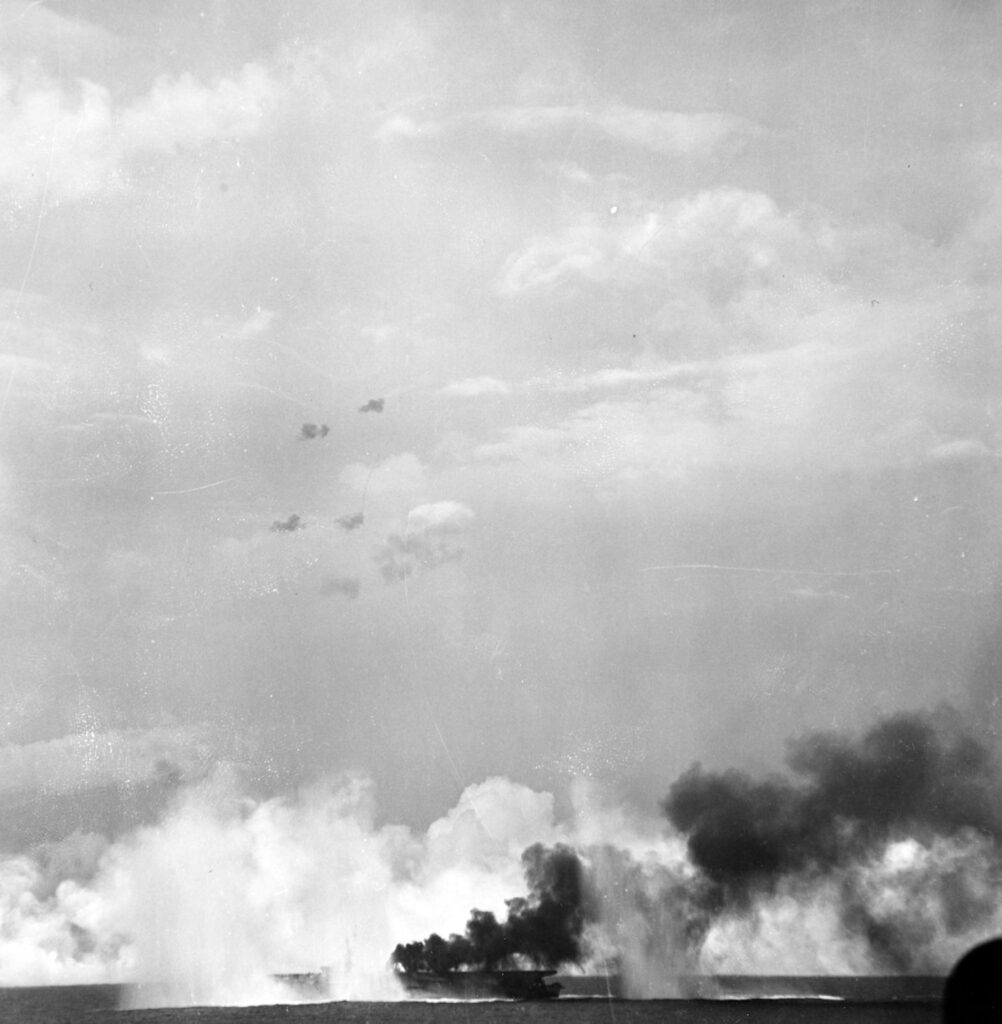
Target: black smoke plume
<point>904,778</point>
<point>543,929</point>
<point>917,777</point>
<point>373,405</point>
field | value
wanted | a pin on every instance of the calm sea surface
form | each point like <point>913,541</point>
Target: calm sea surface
<point>97,1004</point>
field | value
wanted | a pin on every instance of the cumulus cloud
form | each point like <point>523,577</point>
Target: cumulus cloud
<point>589,251</point>
<point>403,126</point>
<point>764,347</point>
<point>721,242</point>
<point>434,535</point>
<point>661,131</point>
<point>55,142</point>
<point>67,142</point>
<point>529,444</point>
<point>760,411</point>
<point>621,377</point>
<point>257,324</point>
<point>438,515</point>
<point>612,378</point>
<point>965,449</point>
<point>94,759</point>
<point>183,113</point>
<point>693,135</point>
<point>475,387</point>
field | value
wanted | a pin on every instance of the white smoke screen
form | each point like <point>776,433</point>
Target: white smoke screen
<point>938,900</point>
<point>226,891</point>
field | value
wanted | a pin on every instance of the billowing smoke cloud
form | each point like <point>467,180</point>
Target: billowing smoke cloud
<point>227,891</point>
<point>434,536</point>
<point>911,775</point>
<point>874,855</point>
<point>894,838</point>
<point>373,405</point>
<point>352,522</point>
<point>55,930</point>
<point>543,929</point>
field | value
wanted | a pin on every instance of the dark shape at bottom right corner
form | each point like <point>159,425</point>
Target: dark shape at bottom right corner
<point>973,991</point>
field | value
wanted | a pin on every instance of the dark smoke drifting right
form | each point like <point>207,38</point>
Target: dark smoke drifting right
<point>913,779</point>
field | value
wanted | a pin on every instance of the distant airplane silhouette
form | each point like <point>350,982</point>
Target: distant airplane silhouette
<point>290,525</point>
<point>311,430</point>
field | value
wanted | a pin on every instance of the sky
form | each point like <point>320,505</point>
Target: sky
<point>442,393</point>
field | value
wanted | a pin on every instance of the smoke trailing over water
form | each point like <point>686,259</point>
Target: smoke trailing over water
<point>877,854</point>
<point>889,845</point>
<point>911,775</point>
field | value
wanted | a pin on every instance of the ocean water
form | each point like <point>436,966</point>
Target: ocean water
<point>97,1004</point>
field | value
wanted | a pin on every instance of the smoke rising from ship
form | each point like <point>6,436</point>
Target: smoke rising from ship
<point>542,929</point>
<point>874,855</point>
<point>884,850</point>
<point>910,775</point>
<point>878,854</point>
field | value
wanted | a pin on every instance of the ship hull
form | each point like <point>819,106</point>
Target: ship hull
<point>480,985</point>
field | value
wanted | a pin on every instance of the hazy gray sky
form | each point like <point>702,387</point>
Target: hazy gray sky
<point>685,316</point>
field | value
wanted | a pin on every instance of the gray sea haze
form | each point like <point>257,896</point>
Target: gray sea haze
<point>96,1004</point>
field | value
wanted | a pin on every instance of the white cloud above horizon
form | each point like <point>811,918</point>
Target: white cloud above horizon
<point>66,142</point>
<point>690,135</point>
